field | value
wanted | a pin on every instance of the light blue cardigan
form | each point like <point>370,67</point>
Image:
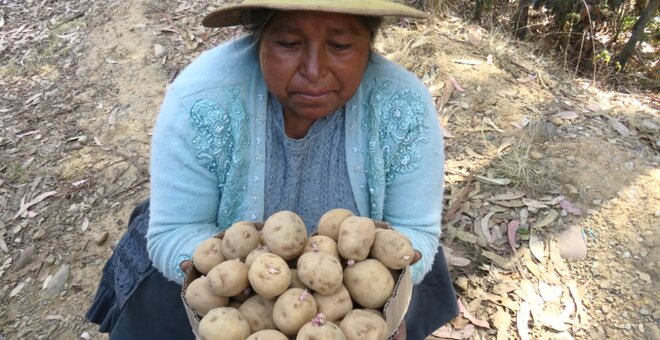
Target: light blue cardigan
<point>208,152</point>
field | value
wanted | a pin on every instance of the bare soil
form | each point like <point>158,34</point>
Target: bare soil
<point>529,149</point>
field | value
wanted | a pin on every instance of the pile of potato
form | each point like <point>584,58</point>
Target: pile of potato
<point>278,283</point>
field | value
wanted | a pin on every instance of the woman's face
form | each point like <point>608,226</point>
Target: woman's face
<point>313,63</point>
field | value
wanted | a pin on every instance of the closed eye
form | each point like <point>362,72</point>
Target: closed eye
<point>288,44</point>
<point>340,47</point>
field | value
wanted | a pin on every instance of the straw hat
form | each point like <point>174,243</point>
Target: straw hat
<point>231,11</point>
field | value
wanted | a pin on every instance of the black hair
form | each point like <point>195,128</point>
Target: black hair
<point>255,22</point>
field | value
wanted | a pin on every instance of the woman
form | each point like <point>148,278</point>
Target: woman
<point>299,115</point>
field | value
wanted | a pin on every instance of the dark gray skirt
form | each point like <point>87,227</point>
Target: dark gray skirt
<point>135,301</point>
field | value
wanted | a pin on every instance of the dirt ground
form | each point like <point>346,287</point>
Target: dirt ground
<point>552,208</point>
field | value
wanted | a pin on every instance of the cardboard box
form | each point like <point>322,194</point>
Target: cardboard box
<point>394,310</point>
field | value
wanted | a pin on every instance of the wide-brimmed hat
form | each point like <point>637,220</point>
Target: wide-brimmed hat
<point>231,12</point>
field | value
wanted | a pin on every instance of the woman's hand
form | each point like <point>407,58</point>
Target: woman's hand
<point>401,332</point>
<point>185,265</point>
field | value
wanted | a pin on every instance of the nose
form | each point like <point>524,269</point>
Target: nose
<point>314,64</point>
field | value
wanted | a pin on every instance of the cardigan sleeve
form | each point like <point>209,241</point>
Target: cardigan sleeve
<point>414,163</point>
<point>184,192</point>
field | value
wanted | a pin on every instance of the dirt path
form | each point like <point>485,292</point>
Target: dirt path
<point>528,150</point>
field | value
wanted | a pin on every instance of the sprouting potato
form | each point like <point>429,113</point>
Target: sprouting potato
<point>284,233</point>
<point>392,248</point>
<point>268,334</point>
<point>239,240</point>
<point>323,244</point>
<point>200,298</point>
<point>258,312</point>
<point>254,253</point>
<point>269,275</point>
<point>330,222</point>
<point>362,325</point>
<point>336,305</point>
<point>207,255</point>
<point>369,283</point>
<point>321,272</point>
<point>356,235</point>
<point>224,323</point>
<point>229,278</point>
<point>319,329</point>
<point>293,309</point>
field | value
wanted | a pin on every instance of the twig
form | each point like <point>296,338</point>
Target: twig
<point>577,65</point>
<point>593,43</point>
<point>459,200</point>
<point>67,20</point>
<point>136,185</point>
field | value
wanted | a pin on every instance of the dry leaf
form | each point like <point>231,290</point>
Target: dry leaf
<point>501,320</point>
<point>457,86</point>
<point>492,124</point>
<point>619,127</point>
<point>494,181</point>
<point>522,321</point>
<point>512,232</point>
<point>550,217</point>
<point>25,206</point>
<point>485,229</point>
<point>549,293</point>
<point>454,260</point>
<point>570,208</point>
<point>568,115</point>
<point>467,315</point>
<point>530,203</point>
<point>536,247</point>
<point>467,61</point>
<point>16,290</point>
<point>447,333</point>
<point>500,261</point>
<point>508,196</point>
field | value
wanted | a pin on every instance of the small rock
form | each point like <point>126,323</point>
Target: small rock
<point>656,314</point>
<point>657,213</point>
<point>57,283</point>
<point>556,120</point>
<point>626,254</point>
<point>571,244</point>
<point>39,234</point>
<point>644,276</point>
<point>49,260</point>
<point>85,335</point>
<point>159,51</point>
<point>644,311</point>
<point>101,238</point>
<point>630,166</point>
<point>535,155</point>
<point>597,202</point>
<point>24,258</point>
<point>139,28</point>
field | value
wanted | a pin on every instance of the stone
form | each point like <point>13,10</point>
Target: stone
<point>571,244</point>
<point>159,51</point>
<point>101,238</point>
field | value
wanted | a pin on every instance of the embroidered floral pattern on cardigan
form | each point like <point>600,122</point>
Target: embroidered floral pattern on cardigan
<point>396,128</point>
<point>222,144</point>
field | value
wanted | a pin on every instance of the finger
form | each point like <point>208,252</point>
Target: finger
<point>184,266</point>
<point>416,257</point>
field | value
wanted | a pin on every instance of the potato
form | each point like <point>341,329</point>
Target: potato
<point>330,221</point>
<point>295,280</point>
<point>375,311</point>
<point>268,334</point>
<point>200,298</point>
<point>369,283</point>
<point>336,305</point>
<point>239,240</point>
<point>269,275</point>
<point>229,278</point>
<point>293,309</point>
<point>224,323</point>
<point>254,253</point>
<point>322,244</point>
<point>362,325</point>
<point>321,272</point>
<point>207,255</point>
<point>259,313</point>
<point>315,330</point>
<point>284,233</point>
<point>356,235</point>
<point>392,248</point>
